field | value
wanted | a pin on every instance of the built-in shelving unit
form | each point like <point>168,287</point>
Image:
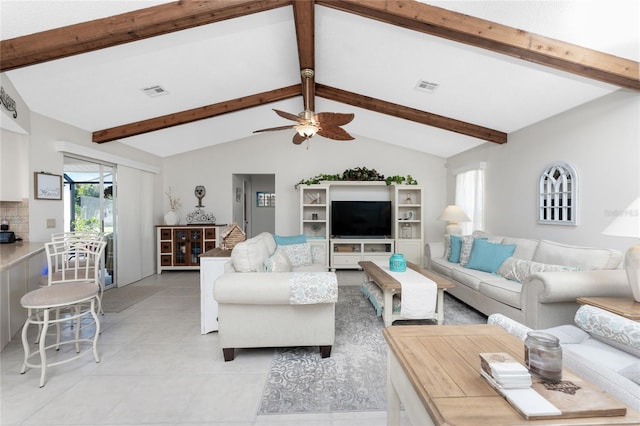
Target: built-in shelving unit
<point>407,221</point>
<point>314,216</point>
<point>407,230</point>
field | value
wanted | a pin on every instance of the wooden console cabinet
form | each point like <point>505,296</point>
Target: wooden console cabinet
<point>179,247</point>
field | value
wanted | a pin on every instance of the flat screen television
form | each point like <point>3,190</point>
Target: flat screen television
<point>361,219</point>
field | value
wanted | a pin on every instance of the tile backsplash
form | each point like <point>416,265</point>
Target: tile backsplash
<point>17,214</point>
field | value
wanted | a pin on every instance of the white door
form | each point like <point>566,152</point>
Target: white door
<point>136,242</point>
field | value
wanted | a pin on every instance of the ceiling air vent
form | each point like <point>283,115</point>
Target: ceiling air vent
<point>426,86</point>
<point>154,91</point>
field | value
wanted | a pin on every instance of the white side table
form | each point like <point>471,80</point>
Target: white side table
<point>211,267</point>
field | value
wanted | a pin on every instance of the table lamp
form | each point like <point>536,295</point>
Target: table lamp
<point>453,215</point>
<point>627,224</point>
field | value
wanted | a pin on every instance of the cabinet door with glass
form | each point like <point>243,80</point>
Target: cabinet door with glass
<point>180,247</point>
<point>187,246</point>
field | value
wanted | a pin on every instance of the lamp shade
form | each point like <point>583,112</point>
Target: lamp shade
<point>626,223</point>
<point>454,214</point>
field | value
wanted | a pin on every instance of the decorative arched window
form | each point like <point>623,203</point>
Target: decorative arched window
<point>557,202</point>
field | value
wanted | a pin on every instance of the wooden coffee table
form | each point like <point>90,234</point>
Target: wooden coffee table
<point>391,286</point>
<point>434,372</point>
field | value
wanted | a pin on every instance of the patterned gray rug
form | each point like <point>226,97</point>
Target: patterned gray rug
<point>354,377</point>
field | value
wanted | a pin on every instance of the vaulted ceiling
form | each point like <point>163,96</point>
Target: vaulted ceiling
<point>225,64</point>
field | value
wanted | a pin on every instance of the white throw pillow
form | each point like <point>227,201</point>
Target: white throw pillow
<point>612,329</point>
<point>298,254</point>
<point>249,255</point>
<point>587,258</point>
<point>278,262</point>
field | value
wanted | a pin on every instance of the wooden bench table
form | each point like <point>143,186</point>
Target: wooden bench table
<point>391,286</point>
<point>434,372</point>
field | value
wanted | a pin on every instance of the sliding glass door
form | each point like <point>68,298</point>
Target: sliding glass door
<point>89,195</point>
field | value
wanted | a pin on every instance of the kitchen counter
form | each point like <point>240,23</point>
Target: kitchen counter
<point>13,253</point>
<point>21,266</point>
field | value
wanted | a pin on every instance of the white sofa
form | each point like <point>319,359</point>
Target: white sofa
<point>545,294</point>
<point>600,346</point>
<point>291,304</point>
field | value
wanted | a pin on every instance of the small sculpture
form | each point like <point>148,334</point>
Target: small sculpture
<point>199,215</point>
<point>200,192</point>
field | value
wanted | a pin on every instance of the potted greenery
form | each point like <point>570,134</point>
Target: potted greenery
<point>358,174</point>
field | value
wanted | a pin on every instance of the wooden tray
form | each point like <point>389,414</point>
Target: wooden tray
<point>577,398</point>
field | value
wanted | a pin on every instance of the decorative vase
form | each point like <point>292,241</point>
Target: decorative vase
<point>171,218</point>
<point>397,263</point>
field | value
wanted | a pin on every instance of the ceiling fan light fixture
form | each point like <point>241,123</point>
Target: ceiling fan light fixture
<point>306,130</point>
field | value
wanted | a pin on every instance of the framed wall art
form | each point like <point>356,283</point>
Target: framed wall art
<point>47,186</point>
<point>265,199</point>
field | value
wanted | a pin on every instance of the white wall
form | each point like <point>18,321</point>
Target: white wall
<point>43,156</point>
<point>273,153</point>
<point>602,141</point>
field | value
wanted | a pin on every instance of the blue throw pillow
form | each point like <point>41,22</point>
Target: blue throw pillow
<point>288,240</point>
<point>456,245</point>
<point>487,256</point>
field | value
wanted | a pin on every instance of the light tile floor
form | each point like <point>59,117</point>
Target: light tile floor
<point>156,369</point>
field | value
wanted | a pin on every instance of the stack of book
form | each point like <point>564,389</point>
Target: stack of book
<point>502,371</point>
<point>513,381</point>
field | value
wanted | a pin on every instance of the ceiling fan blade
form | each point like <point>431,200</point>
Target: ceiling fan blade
<point>298,139</point>
<point>333,119</point>
<point>273,128</point>
<point>335,133</point>
<point>288,115</point>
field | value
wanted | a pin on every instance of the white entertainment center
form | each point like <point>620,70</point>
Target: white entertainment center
<point>407,235</point>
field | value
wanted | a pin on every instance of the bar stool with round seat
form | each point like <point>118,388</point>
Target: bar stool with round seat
<point>76,293</point>
<point>72,239</point>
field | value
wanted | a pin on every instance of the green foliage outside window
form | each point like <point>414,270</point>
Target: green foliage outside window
<point>80,223</point>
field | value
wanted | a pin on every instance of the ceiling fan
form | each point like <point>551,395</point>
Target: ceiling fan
<point>325,124</point>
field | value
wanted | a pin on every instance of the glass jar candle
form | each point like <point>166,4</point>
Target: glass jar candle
<point>543,356</point>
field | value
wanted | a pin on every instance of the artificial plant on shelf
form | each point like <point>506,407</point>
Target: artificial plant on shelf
<point>408,180</point>
<point>358,174</point>
<point>362,174</point>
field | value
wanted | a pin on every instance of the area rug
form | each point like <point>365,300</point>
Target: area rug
<point>354,377</point>
<point>118,299</point>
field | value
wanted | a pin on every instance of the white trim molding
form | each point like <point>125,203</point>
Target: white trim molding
<point>71,148</point>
